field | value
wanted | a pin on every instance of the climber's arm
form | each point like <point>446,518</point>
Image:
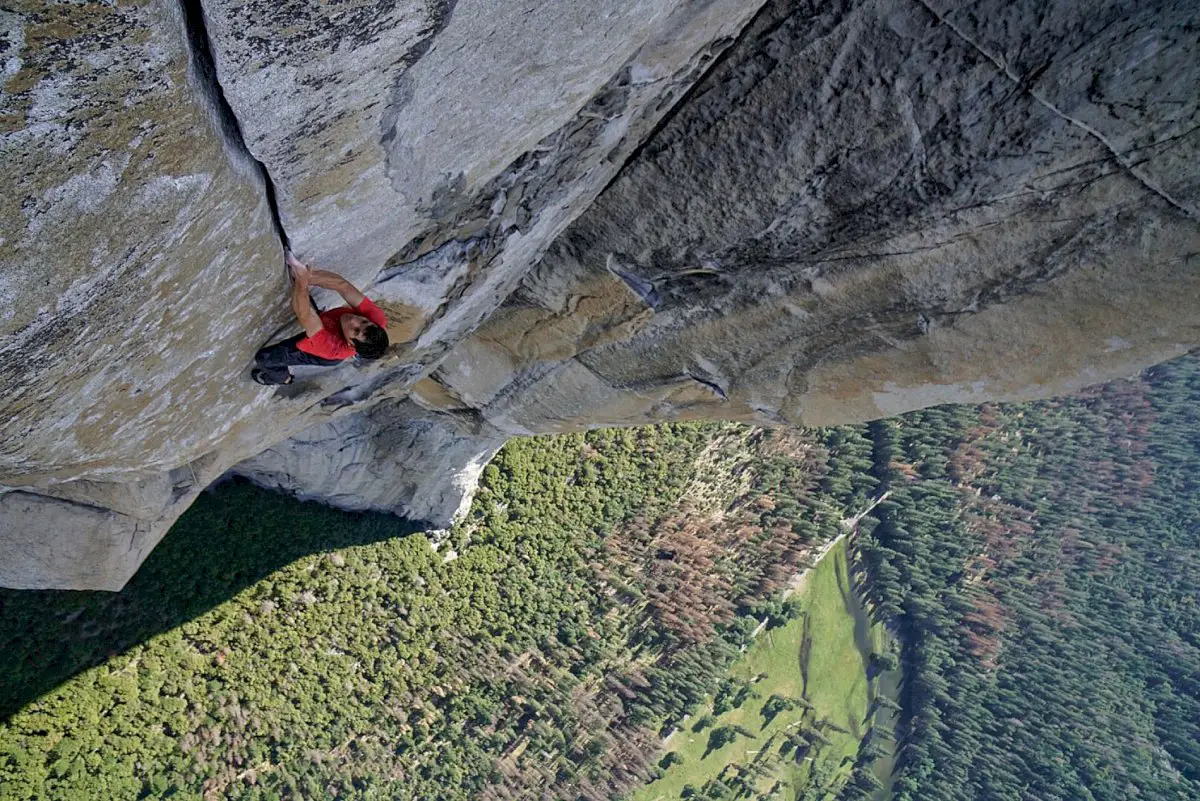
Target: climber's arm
<point>301,305</point>
<point>330,280</point>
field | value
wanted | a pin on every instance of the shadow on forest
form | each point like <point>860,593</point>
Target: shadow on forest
<point>853,606</point>
<point>231,538</point>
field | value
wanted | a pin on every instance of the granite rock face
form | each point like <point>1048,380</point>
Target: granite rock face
<point>157,154</point>
<point>355,462</point>
<point>136,257</point>
<point>575,215</point>
<point>872,207</point>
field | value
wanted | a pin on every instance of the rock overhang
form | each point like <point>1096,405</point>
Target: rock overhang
<point>854,209</point>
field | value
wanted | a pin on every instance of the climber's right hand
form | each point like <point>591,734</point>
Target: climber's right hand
<point>298,269</point>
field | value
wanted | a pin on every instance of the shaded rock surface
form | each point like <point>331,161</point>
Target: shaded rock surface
<point>575,215</point>
<point>868,209</point>
<point>364,461</point>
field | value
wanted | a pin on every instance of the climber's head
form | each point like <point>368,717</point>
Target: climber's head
<point>369,340</point>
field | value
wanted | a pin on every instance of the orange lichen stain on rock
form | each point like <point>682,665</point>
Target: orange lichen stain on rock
<point>732,412</point>
<point>22,80</point>
<point>873,367</point>
<point>110,413</point>
<point>11,122</point>
<point>601,312</point>
<point>69,21</point>
<point>432,395</point>
<point>343,172</point>
<point>405,323</point>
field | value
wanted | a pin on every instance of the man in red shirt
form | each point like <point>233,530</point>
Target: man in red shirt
<point>329,336</point>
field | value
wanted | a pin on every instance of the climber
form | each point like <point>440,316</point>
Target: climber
<point>329,336</point>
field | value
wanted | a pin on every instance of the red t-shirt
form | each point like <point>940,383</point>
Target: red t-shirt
<point>328,343</point>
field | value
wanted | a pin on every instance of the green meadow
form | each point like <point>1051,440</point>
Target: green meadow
<point>820,661</point>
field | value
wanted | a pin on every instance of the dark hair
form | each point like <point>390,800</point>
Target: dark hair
<point>373,343</point>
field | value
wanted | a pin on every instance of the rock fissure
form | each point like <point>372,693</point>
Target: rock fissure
<point>1025,85</point>
<point>83,505</point>
<point>203,69</point>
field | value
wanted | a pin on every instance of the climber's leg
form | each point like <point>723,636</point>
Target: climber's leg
<point>272,362</point>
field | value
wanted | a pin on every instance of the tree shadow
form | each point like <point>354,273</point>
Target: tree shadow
<point>227,541</point>
<point>805,654</point>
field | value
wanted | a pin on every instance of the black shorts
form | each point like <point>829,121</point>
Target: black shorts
<point>274,360</point>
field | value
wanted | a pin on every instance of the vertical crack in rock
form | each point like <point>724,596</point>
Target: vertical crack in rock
<point>1023,85</point>
<point>710,383</point>
<point>203,69</point>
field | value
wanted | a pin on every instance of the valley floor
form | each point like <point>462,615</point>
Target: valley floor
<point>823,657</point>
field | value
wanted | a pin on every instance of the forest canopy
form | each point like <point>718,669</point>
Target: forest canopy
<point>1038,562</point>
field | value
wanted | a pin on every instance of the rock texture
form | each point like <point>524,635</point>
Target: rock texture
<point>870,208</point>
<point>357,462</point>
<point>575,215</point>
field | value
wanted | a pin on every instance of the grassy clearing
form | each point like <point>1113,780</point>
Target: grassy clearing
<point>829,670</point>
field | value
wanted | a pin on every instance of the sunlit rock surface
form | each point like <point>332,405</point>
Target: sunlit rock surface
<point>575,215</point>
